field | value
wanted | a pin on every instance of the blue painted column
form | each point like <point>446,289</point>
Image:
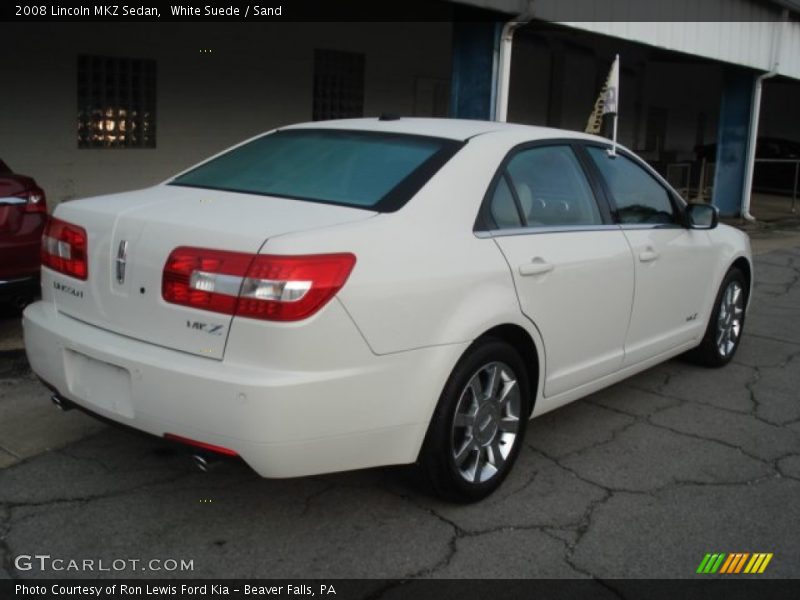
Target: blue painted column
<point>733,131</point>
<point>475,45</point>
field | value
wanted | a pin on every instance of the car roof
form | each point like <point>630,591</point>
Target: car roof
<point>454,129</point>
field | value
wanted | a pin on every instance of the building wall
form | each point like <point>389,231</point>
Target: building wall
<point>257,77</point>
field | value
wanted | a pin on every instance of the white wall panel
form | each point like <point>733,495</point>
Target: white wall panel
<point>733,31</point>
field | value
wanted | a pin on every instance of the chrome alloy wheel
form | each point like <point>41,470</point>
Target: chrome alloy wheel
<point>729,321</point>
<point>486,422</point>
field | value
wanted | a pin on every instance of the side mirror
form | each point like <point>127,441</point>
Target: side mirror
<point>702,216</point>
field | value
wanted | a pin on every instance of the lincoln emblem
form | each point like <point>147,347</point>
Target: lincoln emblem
<point>122,254</point>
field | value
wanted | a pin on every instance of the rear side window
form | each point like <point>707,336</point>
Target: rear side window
<point>371,170</point>
<point>551,188</point>
<point>638,196</point>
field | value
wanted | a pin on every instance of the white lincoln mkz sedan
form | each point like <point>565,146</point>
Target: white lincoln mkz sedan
<point>347,294</point>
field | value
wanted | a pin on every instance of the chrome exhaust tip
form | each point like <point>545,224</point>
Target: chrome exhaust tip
<point>62,404</point>
<point>203,462</point>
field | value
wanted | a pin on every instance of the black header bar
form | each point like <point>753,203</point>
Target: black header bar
<point>383,10</point>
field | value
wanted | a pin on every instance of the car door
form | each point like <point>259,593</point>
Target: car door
<point>673,263</point>
<point>571,266</point>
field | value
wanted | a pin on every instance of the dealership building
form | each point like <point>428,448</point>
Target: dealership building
<point>95,108</point>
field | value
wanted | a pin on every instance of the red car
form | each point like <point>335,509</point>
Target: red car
<point>23,215</point>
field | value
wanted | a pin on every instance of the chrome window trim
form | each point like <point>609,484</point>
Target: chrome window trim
<point>13,200</point>
<point>492,233</point>
<point>624,226</point>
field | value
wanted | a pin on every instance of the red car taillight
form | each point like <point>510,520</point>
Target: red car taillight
<point>64,248</point>
<point>274,288</point>
<point>36,202</point>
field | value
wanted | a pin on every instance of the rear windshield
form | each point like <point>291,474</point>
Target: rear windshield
<point>372,170</point>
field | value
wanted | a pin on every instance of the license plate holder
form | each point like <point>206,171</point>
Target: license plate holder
<point>99,383</point>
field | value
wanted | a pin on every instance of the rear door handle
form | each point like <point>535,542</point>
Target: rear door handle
<point>648,255</point>
<point>536,267</point>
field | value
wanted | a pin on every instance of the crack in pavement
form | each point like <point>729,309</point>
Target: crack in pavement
<point>780,469</point>
<point>13,505</point>
<point>647,419</point>
<point>9,452</point>
<point>752,396</point>
<point>779,365</point>
<point>584,522</point>
<point>787,285</point>
<point>587,519</point>
<point>308,500</point>
<point>10,507</point>
<point>750,387</point>
<point>615,433</point>
<point>460,533</point>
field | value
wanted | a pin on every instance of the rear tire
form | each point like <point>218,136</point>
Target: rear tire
<point>724,330</point>
<point>478,426</point>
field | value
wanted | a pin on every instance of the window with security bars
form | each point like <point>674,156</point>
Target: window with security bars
<point>116,102</point>
<point>338,85</point>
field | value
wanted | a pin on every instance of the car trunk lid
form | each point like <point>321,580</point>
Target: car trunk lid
<point>131,235</point>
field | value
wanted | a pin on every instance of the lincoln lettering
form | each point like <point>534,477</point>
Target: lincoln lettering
<point>67,289</point>
<point>69,11</point>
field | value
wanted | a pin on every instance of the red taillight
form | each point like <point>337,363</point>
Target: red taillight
<point>202,445</point>
<point>36,202</point>
<point>275,288</point>
<point>64,248</point>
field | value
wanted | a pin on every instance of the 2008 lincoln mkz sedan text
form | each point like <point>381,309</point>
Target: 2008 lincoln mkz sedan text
<point>340,295</point>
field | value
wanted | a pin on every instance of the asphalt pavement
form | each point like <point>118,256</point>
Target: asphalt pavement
<point>639,480</point>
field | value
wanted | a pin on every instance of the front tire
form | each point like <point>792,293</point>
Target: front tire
<point>477,429</point>
<point>724,331</point>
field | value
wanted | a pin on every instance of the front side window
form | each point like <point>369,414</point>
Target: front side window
<point>638,196</point>
<point>551,188</point>
<point>354,168</point>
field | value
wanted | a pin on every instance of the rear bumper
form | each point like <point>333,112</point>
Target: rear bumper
<point>282,422</point>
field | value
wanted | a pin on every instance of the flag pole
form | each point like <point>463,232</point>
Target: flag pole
<point>614,138</point>
<point>615,84</point>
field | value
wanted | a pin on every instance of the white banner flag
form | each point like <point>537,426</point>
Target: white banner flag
<point>607,100</point>
<point>611,92</point>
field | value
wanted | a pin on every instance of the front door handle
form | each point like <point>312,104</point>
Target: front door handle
<point>536,267</point>
<point>648,255</point>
